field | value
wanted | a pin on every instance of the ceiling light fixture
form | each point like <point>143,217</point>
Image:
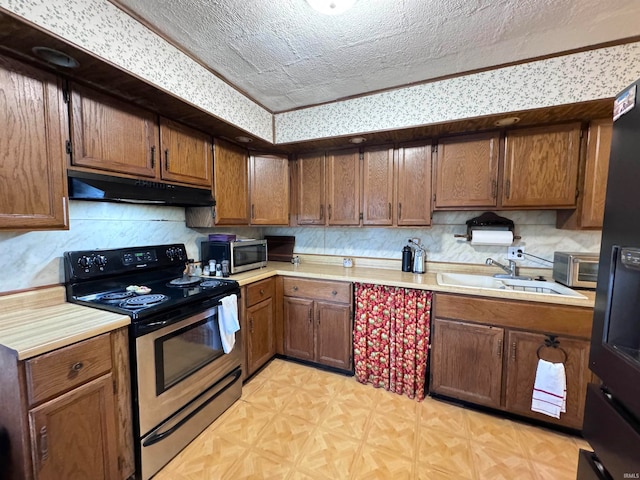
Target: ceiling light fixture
<point>243,139</point>
<point>55,57</point>
<point>504,122</point>
<point>357,140</point>
<point>331,7</point>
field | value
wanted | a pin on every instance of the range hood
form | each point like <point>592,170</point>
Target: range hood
<point>107,188</point>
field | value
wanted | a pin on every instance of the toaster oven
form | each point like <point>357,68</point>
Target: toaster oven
<point>576,269</point>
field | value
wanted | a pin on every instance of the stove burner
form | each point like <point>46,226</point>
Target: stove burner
<point>184,281</point>
<point>211,283</point>
<point>115,296</point>
<point>143,301</point>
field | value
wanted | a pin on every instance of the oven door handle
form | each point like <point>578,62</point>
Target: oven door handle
<point>157,436</point>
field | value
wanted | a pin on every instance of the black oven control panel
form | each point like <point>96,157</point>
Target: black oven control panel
<point>92,264</point>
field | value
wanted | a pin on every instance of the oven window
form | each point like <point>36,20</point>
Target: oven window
<point>185,351</point>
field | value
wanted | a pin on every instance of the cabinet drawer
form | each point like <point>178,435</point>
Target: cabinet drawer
<point>256,292</point>
<point>53,373</point>
<point>317,290</point>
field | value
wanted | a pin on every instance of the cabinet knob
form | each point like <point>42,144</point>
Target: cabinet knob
<point>334,293</point>
<point>262,291</point>
<point>295,288</point>
<point>76,367</point>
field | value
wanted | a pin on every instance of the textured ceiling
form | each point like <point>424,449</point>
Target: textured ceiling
<point>285,55</point>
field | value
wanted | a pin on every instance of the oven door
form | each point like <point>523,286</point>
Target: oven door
<point>175,364</point>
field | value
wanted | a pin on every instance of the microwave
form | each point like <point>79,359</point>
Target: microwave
<point>242,255</point>
<point>575,269</point>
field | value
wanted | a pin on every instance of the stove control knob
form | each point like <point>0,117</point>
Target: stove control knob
<point>100,261</point>
<point>85,262</point>
<point>171,253</point>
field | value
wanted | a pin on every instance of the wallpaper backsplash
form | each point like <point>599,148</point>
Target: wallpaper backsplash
<point>35,258</point>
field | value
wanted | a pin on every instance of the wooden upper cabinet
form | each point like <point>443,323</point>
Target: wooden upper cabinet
<point>231,183</point>
<point>467,171</point>
<point>311,189</point>
<point>593,180</point>
<point>186,154</point>
<point>33,130</point>
<point>377,191</point>
<point>343,187</point>
<point>541,166</point>
<point>112,135</point>
<point>413,186</point>
<point>269,189</point>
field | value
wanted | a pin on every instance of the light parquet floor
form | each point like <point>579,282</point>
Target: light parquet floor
<point>295,422</point>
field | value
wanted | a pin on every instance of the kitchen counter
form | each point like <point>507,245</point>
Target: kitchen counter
<point>39,321</point>
<point>397,278</point>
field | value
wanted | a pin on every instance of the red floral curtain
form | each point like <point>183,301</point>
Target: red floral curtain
<point>391,337</point>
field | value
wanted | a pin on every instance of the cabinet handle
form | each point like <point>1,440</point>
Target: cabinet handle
<point>514,346</point>
<point>494,188</point>
<point>508,188</point>
<point>318,317</point>
<point>329,211</point>
<point>321,212</point>
<point>499,350</point>
<point>166,159</point>
<point>253,211</point>
<point>310,316</point>
<point>262,291</point>
<point>295,288</point>
<point>44,444</point>
<point>251,325</point>
<point>389,210</point>
<point>153,157</point>
<point>399,211</point>
<point>76,367</point>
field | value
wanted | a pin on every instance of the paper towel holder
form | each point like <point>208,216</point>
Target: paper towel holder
<point>488,221</point>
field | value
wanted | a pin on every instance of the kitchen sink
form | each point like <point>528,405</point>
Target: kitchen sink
<point>492,283</point>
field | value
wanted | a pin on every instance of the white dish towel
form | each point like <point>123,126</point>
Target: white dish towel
<point>228,321</point>
<point>550,389</point>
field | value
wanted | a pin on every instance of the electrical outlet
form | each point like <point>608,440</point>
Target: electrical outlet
<point>515,253</point>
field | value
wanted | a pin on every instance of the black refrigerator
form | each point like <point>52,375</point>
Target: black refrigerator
<point>612,412</point>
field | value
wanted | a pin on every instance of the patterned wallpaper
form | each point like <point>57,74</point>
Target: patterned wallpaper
<point>100,27</point>
<point>562,80</point>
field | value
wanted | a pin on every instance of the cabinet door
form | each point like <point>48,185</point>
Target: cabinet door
<point>343,187</point>
<point>467,361</point>
<point>32,149</point>
<point>269,190</point>
<point>596,173</point>
<point>377,191</point>
<point>186,154</point>
<point>231,183</point>
<point>333,335</point>
<point>73,436</point>
<point>413,186</point>
<point>311,187</point>
<point>261,342</point>
<point>298,328</point>
<point>541,167</point>
<point>522,348</point>
<point>467,171</point>
<point>112,135</point>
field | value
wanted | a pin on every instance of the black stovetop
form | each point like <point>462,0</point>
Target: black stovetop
<point>100,279</point>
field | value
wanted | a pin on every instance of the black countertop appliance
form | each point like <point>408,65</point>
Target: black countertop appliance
<point>612,412</point>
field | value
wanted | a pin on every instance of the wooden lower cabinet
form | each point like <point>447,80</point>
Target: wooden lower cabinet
<point>318,322</point>
<point>466,361</point>
<point>258,325</point>
<point>485,352</point>
<point>67,413</point>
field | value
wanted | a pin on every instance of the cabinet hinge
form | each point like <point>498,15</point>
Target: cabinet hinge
<point>115,387</point>
<point>434,148</point>
<point>213,212</point>
<point>361,156</point>
<point>65,94</point>
<point>577,192</point>
<point>361,216</point>
<point>68,148</point>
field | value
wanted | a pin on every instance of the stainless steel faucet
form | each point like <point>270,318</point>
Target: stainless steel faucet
<point>511,269</point>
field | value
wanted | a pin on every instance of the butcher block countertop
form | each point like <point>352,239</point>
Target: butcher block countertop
<point>39,321</point>
<point>397,278</point>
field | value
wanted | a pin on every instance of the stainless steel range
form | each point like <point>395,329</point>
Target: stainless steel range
<point>182,379</point>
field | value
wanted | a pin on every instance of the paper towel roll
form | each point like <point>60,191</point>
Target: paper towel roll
<point>491,237</point>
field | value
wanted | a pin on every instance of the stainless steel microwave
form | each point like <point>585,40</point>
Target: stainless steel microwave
<point>576,269</point>
<point>242,255</point>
